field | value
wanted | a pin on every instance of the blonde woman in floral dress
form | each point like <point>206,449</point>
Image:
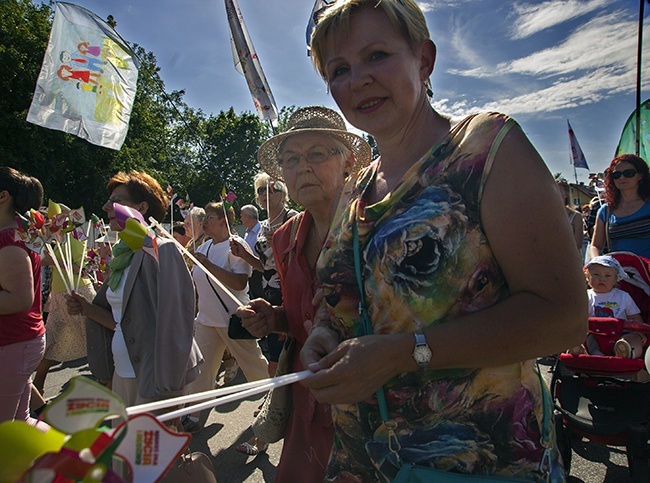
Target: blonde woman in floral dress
<point>463,288</point>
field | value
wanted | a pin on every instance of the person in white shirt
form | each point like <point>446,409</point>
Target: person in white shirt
<point>211,324</point>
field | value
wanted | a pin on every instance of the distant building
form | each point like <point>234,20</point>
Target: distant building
<point>581,194</point>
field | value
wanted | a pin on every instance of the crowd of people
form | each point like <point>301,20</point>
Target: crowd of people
<point>416,286</point>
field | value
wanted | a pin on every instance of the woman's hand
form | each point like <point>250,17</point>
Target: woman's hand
<point>76,304</point>
<point>202,259</point>
<point>243,251</point>
<point>238,249</point>
<point>354,369</point>
<point>258,317</point>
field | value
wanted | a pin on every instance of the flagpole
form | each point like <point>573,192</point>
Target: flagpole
<point>275,131</point>
<point>571,160</point>
<point>638,77</point>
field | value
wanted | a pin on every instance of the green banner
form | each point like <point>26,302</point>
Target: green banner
<point>627,144</point>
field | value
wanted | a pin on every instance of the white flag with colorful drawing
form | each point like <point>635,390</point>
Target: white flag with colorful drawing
<point>88,79</point>
<point>248,64</point>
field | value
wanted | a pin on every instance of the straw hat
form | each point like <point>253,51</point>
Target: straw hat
<point>315,119</point>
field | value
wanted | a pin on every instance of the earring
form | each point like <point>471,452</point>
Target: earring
<point>346,174</point>
<point>427,84</point>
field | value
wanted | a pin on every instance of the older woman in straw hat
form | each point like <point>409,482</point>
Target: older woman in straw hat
<point>313,157</point>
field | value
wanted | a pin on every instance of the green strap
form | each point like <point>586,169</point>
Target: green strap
<point>365,328</point>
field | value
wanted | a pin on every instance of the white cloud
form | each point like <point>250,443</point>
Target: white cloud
<point>533,18</point>
<point>563,94</point>
<point>431,5</point>
<point>608,41</point>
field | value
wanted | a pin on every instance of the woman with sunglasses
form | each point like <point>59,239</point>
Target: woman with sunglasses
<point>623,223</point>
<point>271,195</point>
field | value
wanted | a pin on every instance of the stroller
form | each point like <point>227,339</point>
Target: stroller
<point>601,398</point>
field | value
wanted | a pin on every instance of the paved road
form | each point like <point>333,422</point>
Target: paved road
<point>228,425</point>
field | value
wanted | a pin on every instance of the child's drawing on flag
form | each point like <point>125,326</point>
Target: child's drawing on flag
<point>87,81</point>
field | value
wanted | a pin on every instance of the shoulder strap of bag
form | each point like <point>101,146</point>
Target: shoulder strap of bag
<point>295,221</point>
<point>608,242</point>
<point>215,290</point>
<point>366,325</point>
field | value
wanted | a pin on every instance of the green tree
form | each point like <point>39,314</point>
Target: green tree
<point>176,144</point>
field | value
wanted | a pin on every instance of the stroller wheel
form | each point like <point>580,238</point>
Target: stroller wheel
<point>563,436</point>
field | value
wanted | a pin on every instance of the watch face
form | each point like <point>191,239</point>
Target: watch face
<point>422,354</point>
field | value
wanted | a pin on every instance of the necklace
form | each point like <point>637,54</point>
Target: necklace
<point>627,208</point>
<point>272,226</point>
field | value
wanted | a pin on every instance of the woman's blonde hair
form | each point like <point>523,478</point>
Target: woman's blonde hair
<point>263,179</point>
<point>404,15</point>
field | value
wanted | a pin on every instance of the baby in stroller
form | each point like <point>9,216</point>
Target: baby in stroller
<point>606,300</point>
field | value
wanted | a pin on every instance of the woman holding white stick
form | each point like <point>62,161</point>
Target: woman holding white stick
<point>141,321</point>
<point>22,332</point>
<point>66,334</point>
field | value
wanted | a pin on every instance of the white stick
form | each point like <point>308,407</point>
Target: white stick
<point>70,262</point>
<point>63,273</point>
<point>225,214</point>
<point>192,223</point>
<point>268,207</point>
<point>193,258</point>
<point>58,267</point>
<point>83,253</point>
<point>177,401</point>
<point>108,240</point>
<point>278,382</point>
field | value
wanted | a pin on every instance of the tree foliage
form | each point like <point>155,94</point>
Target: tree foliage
<point>178,145</point>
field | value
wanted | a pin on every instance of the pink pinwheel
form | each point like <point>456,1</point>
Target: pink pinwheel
<point>123,213</point>
<point>134,231</point>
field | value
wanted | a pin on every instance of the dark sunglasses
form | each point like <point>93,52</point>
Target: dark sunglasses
<point>628,173</point>
<point>262,190</point>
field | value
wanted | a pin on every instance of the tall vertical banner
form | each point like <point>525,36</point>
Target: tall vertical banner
<point>577,156</point>
<point>316,12</point>
<point>88,79</point>
<point>248,64</point>
<point>627,143</point>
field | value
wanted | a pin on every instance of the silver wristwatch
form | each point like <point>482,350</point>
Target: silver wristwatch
<point>422,352</point>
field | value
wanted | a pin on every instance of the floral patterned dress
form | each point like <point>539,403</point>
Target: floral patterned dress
<point>427,261</point>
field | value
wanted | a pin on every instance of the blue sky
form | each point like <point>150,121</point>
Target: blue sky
<point>542,62</point>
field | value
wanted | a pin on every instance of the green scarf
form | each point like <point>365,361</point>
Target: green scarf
<point>122,256</point>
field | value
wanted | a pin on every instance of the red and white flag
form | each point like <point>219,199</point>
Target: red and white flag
<point>577,156</point>
<point>248,64</point>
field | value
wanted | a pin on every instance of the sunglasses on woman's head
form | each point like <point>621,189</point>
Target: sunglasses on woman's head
<point>628,173</point>
<point>261,191</point>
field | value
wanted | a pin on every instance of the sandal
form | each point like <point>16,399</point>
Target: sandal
<point>252,449</point>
